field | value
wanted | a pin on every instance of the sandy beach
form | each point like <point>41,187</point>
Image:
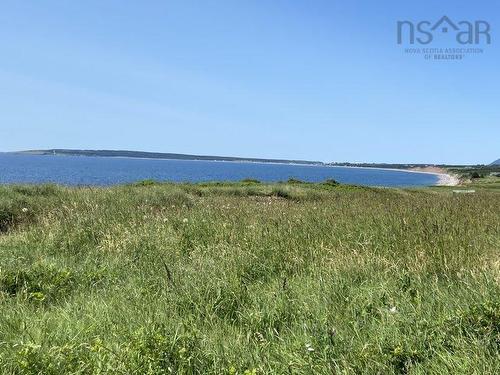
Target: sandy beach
<point>445,178</point>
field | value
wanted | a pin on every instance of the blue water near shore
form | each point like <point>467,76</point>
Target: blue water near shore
<point>101,171</point>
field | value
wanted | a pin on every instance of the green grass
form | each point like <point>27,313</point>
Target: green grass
<point>485,183</point>
<point>471,171</point>
<point>248,278</point>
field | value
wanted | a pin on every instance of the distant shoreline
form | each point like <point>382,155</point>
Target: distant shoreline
<point>160,156</point>
<point>444,178</point>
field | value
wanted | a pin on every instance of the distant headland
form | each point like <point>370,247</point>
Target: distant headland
<point>161,155</point>
<point>177,156</point>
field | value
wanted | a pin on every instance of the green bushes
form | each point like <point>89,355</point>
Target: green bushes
<point>37,190</point>
<point>37,283</point>
<point>46,283</point>
<point>250,181</point>
<point>476,175</point>
<point>295,181</point>
<point>281,193</point>
<point>331,182</point>
<point>145,183</point>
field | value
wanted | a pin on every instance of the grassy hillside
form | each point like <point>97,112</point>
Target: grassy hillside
<point>248,279</point>
<point>475,172</point>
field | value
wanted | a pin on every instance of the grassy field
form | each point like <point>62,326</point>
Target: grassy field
<point>249,279</point>
<point>485,183</point>
<point>476,172</point>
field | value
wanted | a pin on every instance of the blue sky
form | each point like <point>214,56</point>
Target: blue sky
<point>316,80</point>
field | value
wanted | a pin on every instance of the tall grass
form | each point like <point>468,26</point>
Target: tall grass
<point>248,278</point>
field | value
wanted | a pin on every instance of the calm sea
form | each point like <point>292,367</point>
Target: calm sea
<point>81,170</point>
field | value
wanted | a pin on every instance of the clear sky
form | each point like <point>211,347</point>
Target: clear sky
<point>316,80</point>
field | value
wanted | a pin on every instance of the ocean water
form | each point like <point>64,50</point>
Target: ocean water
<point>99,171</point>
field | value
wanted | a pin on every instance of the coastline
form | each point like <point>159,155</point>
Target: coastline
<point>447,180</point>
<point>443,176</point>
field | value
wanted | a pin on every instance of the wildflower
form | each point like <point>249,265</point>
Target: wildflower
<point>393,310</point>
<point>260,337</point>
<point>24,209</point>
<point>309,348</point>
<point>182,352</point>
<point>185,220</point>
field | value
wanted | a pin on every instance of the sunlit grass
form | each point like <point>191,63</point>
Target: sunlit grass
<point>229,278</point>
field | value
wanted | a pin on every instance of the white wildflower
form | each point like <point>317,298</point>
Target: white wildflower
<point>24,209</point>
<point>393,310</point>
<point>309,348</point>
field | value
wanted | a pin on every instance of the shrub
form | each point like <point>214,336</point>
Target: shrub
<point>250,181</point>
<point>37,283</point>
<point>146,183</point>
<point>295,181</point>
<point>281,193</point>
<point>331,182</point>
<point>37,190</point>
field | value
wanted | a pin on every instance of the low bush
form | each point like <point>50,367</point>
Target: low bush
<point>331,182</point>
<point>250,181</point>
<point>40,282</point>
